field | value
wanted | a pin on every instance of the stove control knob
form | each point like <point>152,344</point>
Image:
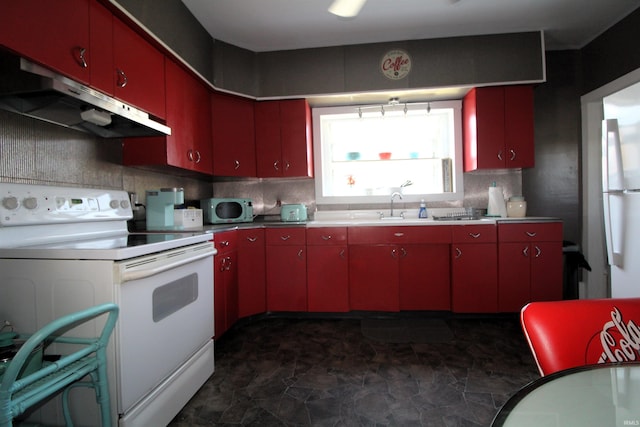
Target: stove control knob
<point>30,203</point>
<point>124,204</point>
<point>10,203</point>
<point>114,204</point>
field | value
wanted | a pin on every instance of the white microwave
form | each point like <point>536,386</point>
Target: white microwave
<point>226,210</point>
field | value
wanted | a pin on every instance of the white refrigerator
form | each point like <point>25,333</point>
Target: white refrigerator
<point>621,189</point>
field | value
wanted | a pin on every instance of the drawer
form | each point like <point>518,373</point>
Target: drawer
<point>250,237</point>
<point>485,233</point>
<point>327,236</point>
<point>226,241</point>
<point>530,232</point>
<point>280,236</point>
<point>399,234</point>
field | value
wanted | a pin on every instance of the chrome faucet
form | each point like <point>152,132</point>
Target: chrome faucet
<point>393,196</point>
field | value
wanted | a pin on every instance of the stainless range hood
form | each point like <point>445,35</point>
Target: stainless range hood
<point>29,89</point>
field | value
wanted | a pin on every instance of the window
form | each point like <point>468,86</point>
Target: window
<point>365,153</point>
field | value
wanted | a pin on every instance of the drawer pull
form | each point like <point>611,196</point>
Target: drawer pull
<point>474,235</point>
<point>398,234</point>
<point>285,238</point>
<point>252,239</point>
<point>326,237</point>
<point>531,233</point>
<point>224,243</point>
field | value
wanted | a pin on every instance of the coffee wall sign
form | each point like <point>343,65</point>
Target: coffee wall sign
<point>395,64</point>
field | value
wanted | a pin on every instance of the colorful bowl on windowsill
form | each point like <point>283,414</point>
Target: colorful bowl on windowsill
<point>384,156</point>
<point>353,155</point>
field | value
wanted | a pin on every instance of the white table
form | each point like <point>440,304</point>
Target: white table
<point>605,395</point>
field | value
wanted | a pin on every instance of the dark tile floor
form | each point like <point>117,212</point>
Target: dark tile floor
<point>433,371</point>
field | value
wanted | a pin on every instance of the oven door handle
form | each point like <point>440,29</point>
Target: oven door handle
<point>129,275</point>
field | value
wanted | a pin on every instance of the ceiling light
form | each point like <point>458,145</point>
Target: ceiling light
<point>346,8</point>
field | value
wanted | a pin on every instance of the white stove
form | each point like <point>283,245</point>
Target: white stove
<point>64,249</point>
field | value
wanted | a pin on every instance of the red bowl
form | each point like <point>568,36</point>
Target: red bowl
<point>384,156</point>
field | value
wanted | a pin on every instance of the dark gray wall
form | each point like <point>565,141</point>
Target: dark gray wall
<point>613,54</point>
<point>552,188</point>
<point>171,22</point>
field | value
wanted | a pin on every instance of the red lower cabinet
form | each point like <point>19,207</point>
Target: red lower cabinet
<point>225,282</point>
<point>530,264</point>
<point>286,257</point>
<point>327,270</point>
<point>474,269</point>
<point>252,291</point>
<point>424,277</point>
<point>374,277</point>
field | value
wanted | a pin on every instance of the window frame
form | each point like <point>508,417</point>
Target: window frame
<point>319,156</point>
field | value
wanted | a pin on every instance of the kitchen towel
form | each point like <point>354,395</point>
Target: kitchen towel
<point>497,205</point>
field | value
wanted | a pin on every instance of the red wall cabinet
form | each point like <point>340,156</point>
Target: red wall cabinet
<point>530,264</point>
<point>283,138</point>
<point>474,269</point>
<point>55,34</point>
<point>286,257</point>
<point>252,291</point>
<point>498,128</point>
<point>225,282</point>
<point>327,269</point>
<point>232,122</point>
<point>138,72</point>
<point>189,145</point>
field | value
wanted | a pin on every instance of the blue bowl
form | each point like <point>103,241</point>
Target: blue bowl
<point>353,155</point>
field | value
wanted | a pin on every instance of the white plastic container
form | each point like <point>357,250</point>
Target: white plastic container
<point>516,207</point>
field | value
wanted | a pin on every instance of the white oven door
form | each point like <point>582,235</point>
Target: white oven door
<point>166,316</point>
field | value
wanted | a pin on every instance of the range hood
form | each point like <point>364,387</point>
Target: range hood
<point>29,89</point>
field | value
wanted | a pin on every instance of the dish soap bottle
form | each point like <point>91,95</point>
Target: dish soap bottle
<point>422,213</point>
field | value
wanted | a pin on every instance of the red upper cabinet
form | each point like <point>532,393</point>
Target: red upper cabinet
<point>138,70</point>
<point>101,48</point>
<point>283,138</point>
<point>188,114</point>
<point>55,34</point>
<point>232,123</point>
<point>498,128</point>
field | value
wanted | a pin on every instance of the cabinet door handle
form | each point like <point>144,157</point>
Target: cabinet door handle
<point>531,233</point>
<point>394,253</point>
<point>342,253</point>
<point>276,165</point>
<point>252,239</point>
<point>194,156</point>
<point>224,243</point>
<point>474,235</point>
<point>122,78</point>
<point>82,61</point>
<point>403,252</point>
<point>229,262</point>
<point>500,155</point>
<point>458,253</point>
<point>513,155</point>
<point>300,253</point>
<point>237,165</point>
<point>538,252</point>
<point>325,238</point>
<point>285,238</point>
<point>287,165</point>
<point>525,251</point>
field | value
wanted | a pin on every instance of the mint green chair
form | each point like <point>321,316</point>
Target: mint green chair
<point>19,393</point>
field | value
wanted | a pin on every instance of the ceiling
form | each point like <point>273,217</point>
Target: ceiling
<point>269,25</point>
